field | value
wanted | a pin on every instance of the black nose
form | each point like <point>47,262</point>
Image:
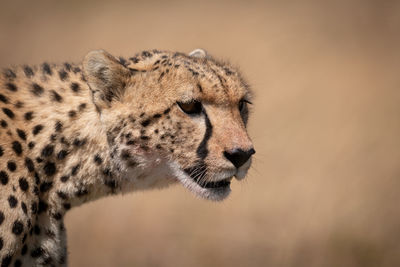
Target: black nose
<point>239,157</point>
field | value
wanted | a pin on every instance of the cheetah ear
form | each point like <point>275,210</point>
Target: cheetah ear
<point>199,53</point>
<point>106,77</point>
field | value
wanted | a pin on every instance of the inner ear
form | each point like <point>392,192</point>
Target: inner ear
<point>106,76</point>
<point>199,53</point>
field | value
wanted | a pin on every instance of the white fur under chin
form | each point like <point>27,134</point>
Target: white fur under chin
<point>214,194</point>
<point>154,172</point>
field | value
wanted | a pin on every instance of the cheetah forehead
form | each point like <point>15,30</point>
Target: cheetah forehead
<point>197,75</point>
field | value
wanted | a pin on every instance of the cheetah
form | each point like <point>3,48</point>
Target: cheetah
<point>72,133</point>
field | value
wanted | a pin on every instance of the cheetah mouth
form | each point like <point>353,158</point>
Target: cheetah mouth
<point>213,184</point>
<point>198,174</point>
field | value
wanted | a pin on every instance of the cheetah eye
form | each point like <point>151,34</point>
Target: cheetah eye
<point>243,104</point>
<point>192,108</point>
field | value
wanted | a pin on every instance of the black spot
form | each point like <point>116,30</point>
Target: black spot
<point>37,129</point>
<point>202,150</point>
<point>144,137</point>
<point>53,137</point>
<point>28,71</point>
<point>24,250</point>
<point>12,201</point>
<point>67,66</point>
<point>36,229</point>
<point>75,170</point>
<point>62,154</point>
<point>17,263</point>
<point>19,104</point>
<point>28,116</point>
<point>46,69</point>
<point>122,61</point>
<point>67,206</point>
<point>72,113</point>
<point>82,106</point>
<point>81,192</point>
<point>63,75</point>
<point>167,111</point>
<point>37,252</point>
<point>58,127</point>
<point>25,235</point>
<point>134,59</point>
<point>78,142</point>
<point>31,145</point>
<point>29,164</point>
<point>42,207</point>
<point>97,159</point>
<point>16,146</point>
<point>75,87</point>
<point>146,54</point>
<point>3,177</point>
<point>47,151</point>
<point>62,195</point>
<point>156,116</point>
<point>56,97</point>
<point>21,134</point>
<point>49,168</point>
<point>6,261</point>
<point>145,123</point>
<point>18,227</point>
<point>64,178</point>
<point>23,184</point>
<point>4,124</point>
<point>64,141</point>
<point>50,233</point>
<point>111,183</point>
<point>11,87</point>
<point>130,142</point>
<point>8,112</point>
<point>1,151</point>
<point>1,217</point>
<point>46,186</point>
<point>11,166</point>
<point>161,75</point>
<point>200,88</point>
<point>125,154</point>
<point>37,178</point>
<point>36,191</point>
<point>9,74</point>
<point>37,90</point>
<point>3,99</point>
<point>57,216</point>
<point>34,208</point>
<point>76,70</point>
<point>24,208</point>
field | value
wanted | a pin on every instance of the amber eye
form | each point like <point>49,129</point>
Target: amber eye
<point>194,107</point>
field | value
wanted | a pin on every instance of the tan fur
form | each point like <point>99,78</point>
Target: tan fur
<point>108,126</point>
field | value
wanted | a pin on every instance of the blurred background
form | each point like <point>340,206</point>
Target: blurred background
<point>324,189</point>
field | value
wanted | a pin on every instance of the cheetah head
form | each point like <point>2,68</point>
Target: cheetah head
<point>173,117</point>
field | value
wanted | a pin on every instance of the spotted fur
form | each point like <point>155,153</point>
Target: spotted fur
<point>72,133</point>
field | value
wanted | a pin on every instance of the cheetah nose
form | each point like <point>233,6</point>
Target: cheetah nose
<point>238,157</point>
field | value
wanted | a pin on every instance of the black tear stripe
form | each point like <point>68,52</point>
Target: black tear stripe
<point>199,170</point>
<point>202,150</point>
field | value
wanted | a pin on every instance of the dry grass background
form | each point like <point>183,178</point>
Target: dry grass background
<point>324,189</point>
